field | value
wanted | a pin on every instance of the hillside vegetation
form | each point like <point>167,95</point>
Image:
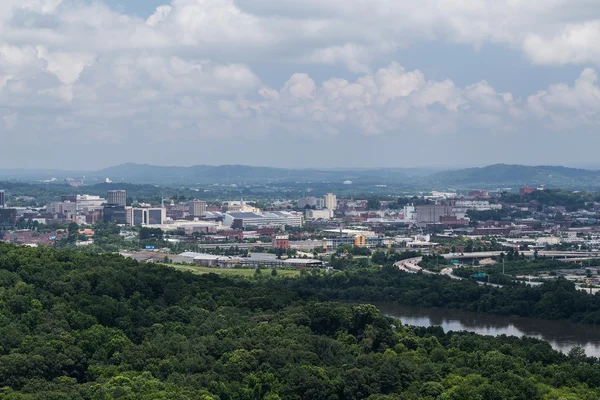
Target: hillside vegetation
<point>85,326</point>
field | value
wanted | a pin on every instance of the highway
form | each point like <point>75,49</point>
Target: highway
<point>579,255</point>
<point>411,265</point>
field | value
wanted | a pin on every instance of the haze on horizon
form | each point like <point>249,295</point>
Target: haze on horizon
<point>386,83</point>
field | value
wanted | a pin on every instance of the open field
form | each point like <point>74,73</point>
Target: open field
<point>230,271</point>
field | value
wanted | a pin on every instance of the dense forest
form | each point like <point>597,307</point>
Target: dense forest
<point>76,325</point>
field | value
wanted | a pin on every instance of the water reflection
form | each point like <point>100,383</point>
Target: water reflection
<point>561,335</point>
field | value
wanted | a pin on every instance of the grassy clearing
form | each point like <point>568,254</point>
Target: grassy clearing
<point>230,271</point>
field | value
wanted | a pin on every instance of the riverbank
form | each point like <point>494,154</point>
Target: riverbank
<point>561,335</point>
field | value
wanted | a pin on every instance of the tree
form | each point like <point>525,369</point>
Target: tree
<point>274,272</point>
<point>373,204</point>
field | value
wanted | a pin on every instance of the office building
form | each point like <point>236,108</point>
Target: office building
<point>330,201</point>
<point>197,208</point>
<point>69,197</point>
<point>312,202</point>
<point>117,198</point>
<point>148,216</point>
<point>8,216</point>
<point>115,215</point>
<point>2,200</point>
<point>62,209</point>
<point>86,202</point>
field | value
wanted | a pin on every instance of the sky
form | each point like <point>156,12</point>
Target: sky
<point>314,83</point>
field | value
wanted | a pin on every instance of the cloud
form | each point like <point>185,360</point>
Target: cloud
<point>389,100</point>
<point>194,69</point>
<point>566,107</point>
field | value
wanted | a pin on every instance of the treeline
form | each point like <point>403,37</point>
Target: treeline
<point>87,326</point>
<point>556,299</point>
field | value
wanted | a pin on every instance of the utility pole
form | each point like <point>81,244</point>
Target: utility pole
<point>503,267</point>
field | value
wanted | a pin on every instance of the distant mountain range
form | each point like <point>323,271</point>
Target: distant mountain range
<point>503,175</point>
<point>490,177</point>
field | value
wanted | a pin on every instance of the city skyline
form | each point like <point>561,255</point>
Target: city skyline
<point>187,82</point>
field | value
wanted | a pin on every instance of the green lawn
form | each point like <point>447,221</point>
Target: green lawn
<point>230,271</point>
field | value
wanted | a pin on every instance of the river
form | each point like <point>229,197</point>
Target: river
<point>563,336</point>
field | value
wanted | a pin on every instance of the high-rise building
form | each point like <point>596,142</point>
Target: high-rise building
<point>2,199</point>
<point>330,201</point>
<point>148,216</point>
<point>197,208</point>
<point>117,198</point>
<point>115,214</point>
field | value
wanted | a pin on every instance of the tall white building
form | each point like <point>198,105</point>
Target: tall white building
<point>330,201</point>
<point>410,213</point>
<point>316,202</point>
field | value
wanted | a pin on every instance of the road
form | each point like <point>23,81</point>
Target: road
<point>578,255</point>
<point>410,265</point>
<point>449,272</point>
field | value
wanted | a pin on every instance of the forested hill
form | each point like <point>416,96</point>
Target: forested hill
<point>86,326</point>
<point>503,175</point>
<point>493,176</point>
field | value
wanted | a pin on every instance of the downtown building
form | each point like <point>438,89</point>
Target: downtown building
<point>313,202</point>
<point>197,208</point>
<point>330,201</point>
<point>147,216</point>
<point>241,220</point>
<point>117,198</point>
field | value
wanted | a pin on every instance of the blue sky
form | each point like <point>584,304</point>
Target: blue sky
<point>315,83</point>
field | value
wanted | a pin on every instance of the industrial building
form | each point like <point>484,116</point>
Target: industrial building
<point>255,260</point>
<point>319,214</point>
<point>369,242</point>
<point>430,214</point>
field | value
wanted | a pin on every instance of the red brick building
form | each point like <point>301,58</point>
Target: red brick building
<point>526,190</point>
<point>281,242</point>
